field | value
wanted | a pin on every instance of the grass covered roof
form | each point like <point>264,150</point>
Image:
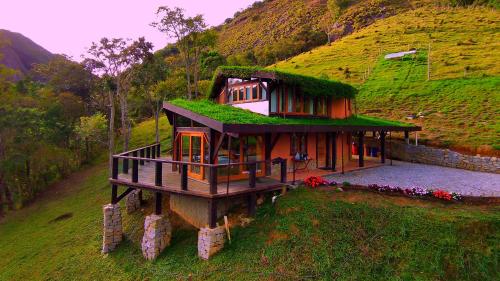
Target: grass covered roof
<point>233,115</point>
<point>311,86</point>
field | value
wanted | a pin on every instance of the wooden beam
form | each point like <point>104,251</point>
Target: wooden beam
<point>382,146</point>
<point>334,151</point>
<point>158,203</point>
<point>361,150</point>
<point>130,189</point>
<point>212,213</point>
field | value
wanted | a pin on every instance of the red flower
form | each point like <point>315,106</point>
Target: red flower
<point>441,194</point>
<point>314,181</point>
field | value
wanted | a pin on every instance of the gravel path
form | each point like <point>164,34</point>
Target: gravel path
<point>406,174</point>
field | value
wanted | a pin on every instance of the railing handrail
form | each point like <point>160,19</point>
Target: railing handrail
<point>167,161</point>
<point>136,150</point>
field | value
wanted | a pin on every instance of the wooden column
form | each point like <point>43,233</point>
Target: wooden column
<point>283,171</point>
<point>141,154</point>
<point>361,151</point>
<point>334,151</point>
<point>158,203</point>
<point>135,168</point>
<point>327,146</point>
<point>382,147</point>
<point>125,165</point>
<point>267,152</point>
<point>114,187</point>
<point>158,173</point>
<point>212,213</point>
<point>407,137</point>
<point>184,176</point>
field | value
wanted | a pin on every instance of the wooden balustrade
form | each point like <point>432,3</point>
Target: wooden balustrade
<point>135,167</point>
<point>184,176</point>
<point>141,154</point>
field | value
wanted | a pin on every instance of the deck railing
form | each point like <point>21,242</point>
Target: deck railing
<point>151,153</point>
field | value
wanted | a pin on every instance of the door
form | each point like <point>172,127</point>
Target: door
<point>193,150</point>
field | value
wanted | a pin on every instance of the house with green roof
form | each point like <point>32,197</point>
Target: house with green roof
<point>258,130</point>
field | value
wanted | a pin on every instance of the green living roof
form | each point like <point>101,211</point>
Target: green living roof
<point>312,86</point>
<point>233,115</point>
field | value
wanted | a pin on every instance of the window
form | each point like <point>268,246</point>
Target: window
<point>274,101</point>
<point>298,144</point>
<point>241,95</point>
<point>298,103</point>
<point>254,93</point>
<point>247,96</point>
<point>230,95</point>
<point>322,106</point>
<point>263,93</point>
<point>309,106</point>
<point>290,99</point>
<point>282,100</point>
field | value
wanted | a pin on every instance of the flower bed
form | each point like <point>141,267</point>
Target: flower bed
<point>418,192</point>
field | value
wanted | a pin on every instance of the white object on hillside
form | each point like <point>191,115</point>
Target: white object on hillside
<point>399,54</point>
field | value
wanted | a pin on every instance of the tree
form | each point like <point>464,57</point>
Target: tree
<point>177,26</point>
<point>110,58</point>
<point>64,75</point>
<point>92,129</point>
<point>201,42</point>
<point>334,11</point>
<point>145,79</point>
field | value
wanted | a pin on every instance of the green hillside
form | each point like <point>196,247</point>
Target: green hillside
<point>459,103</point>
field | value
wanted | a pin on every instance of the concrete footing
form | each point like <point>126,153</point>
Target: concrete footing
<point>210,241</point>
<point>133,202</point>
<point>113,232</point>
<point>157,235</point>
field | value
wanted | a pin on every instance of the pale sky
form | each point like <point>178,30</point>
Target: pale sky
<point>69,26</point>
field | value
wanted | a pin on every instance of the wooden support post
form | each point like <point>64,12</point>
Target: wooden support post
<point>283,171</point>
<point>141,154</point>
<point>148,152</point>
<point>382,147</point>
<point>114,194</point>
<point>153,152</point>
<point>327,146</point>
<point>267,152</point>
<point>184,176</point>
<point>135,168</point>
<point>213,180</point>
<point>361,151</point>
<point>158,203</point>
<point>158,173</point>
<point>252,175</point>
<point>390,146</point>
<point>114,172</point>
<point>125,165</point>
<point>212,213</point>
<point>342,149</point>
<point>158,150</point>
<point>252,203</point>
<point>334,151</point>
<point>407,137</point>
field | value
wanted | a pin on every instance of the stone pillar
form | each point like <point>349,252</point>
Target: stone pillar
<point>210,241</point>
<point>157,235</point>
<point>113,232</point>
<point>133,201</point>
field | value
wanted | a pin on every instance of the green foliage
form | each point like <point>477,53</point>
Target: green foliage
<point>458,112</point>
<point>234,115</point>
<point>93,131</point>
<point>309,85</point>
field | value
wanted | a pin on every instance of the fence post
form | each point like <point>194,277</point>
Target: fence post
<point>252,175</point>
<point>135,168</point>
<point>148,152</point>
<point>125,165</point>
<point>141,154</point>
<point>158,149</point>
<point>213,179</point>
<point>158,173</point>
<point>114,187</point>
<point>283,170</point>
<point>114,172</point>
<point>184,177</point>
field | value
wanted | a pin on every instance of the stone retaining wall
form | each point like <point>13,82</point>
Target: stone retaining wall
<point>443,157</point>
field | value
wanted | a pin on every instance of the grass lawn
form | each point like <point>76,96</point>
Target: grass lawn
<point>460,100</point>
<point>308,234</point>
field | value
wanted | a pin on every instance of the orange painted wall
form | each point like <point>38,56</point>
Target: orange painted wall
<point>346,138</point>
<point>340,108</point>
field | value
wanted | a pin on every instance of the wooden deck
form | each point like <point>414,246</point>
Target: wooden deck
<point>171,183</point>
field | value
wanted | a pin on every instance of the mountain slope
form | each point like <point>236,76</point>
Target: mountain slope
<point>459,103</point>
<point>20,53</point>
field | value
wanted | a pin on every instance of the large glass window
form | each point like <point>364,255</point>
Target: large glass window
<point>241,94</point>
<point>282,99</point>
<point>290,99</point>
<point>230,95</point>
<point>248,97</point>
<point>298,103</point>
<point>274,101</point>
<point>298,145</point>
<point>263,93</point>
<point>254,93</point>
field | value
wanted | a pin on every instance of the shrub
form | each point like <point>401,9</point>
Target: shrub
<point>314,181</point>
